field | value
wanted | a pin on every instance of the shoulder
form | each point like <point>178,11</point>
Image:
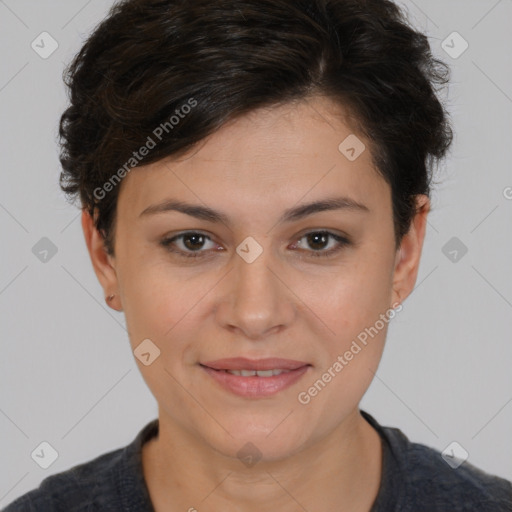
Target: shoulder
<point>423,481</point>
<point>112,481</point>
<point>73,490</point>
<point>464,488</point>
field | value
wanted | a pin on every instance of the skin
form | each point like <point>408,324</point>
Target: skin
<point>287,303</point>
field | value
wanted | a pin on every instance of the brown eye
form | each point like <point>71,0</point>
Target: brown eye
<point>317,241</point>
<point>193,241</point>
<point>191,244</point>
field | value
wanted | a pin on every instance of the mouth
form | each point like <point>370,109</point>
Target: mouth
<point>259,373</point>
<point>255,378</point>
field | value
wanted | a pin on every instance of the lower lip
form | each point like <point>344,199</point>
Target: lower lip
<point>256,387</point>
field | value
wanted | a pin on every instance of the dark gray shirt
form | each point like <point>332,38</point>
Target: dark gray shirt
<point>415,478</point>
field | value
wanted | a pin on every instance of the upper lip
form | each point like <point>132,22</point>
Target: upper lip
<point>242,363</point>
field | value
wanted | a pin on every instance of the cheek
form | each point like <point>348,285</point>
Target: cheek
<point>168,306</point>
<point>356,307</point>
<point>358,312</point>
<point>152,299</point>
<point>357,296</point>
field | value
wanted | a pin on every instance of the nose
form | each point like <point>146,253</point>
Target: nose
<point>257,300</point>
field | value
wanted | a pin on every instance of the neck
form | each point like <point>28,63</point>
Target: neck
<point>341,471</point>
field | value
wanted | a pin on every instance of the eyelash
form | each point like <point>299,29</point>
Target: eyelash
<point>342,242</point>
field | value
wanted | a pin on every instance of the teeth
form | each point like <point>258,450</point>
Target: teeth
<point>259,373</point>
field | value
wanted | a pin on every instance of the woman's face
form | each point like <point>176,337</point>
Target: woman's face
<point>264,283</point>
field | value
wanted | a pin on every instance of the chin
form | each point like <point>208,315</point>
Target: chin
<point>259,440</point>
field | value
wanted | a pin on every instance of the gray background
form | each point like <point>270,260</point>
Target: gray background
<point>68,376</point>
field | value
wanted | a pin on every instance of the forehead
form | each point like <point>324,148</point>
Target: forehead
<point>269,158</point>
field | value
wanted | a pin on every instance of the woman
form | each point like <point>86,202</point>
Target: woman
<point>254,178</point>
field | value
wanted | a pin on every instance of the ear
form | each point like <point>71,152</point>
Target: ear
<point>407,260</point>
<point>102,262</point>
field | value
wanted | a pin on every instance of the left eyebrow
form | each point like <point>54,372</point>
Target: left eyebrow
<point>336,203</point>
<point>289,215</point>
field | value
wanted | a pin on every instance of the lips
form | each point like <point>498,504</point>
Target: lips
<point>258,373</point>
<point>242,363</point>
<point>251,378</point>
